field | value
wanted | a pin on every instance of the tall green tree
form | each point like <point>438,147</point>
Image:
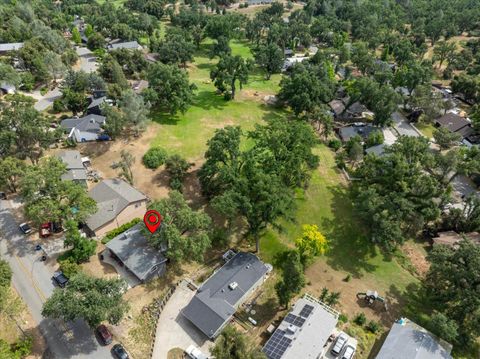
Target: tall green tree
<point>11,171</point>
<point>232,344</point>
<point>293,278</point>
<point>184,233</point>
<point>443,50</point>
<point>177,168</point>
<point>270,58</point>
<point>82,248</point>
<point>94,300</point>
<point>169,88</point>
<point>228,71</point>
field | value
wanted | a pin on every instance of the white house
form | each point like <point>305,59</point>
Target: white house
<point>84,129</point>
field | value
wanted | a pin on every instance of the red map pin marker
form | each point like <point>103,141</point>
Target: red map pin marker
<point>152,220</point>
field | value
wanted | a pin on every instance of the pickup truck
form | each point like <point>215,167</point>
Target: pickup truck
<point>60,279</point>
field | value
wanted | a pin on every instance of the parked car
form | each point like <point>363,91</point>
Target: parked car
<point>104,137</point>
<point>104,334</point>
<point>195,353</point>
<point>349,352</point>
<point>60,278</point>
<point>25,228</point>
<point>119,352</point>
<point>339,343</point>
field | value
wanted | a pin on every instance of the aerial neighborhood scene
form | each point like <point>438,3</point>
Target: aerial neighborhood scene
<point>240,179</point>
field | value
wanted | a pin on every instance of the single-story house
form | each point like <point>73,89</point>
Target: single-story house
<point>355,111</point>
<point>304,332</point>
<point>132,249</point>
<point>259,2</point>
<point>117,203</point>
<point>84,129</point>
<point>337,107</point>
<point>7,89</point>
<point>219,297</point>
<point>75,169</point>
<point>452,238</point>
<point>455,123</point>
<point>377,150</point>
<point>362,130</point>
<point>9,47</point>
<point>130,45</point>
<point>409,340</point>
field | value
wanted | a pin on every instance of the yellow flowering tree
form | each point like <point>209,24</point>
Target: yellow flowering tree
<point>311,244</point>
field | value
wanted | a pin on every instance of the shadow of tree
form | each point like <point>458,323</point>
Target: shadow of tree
<point>349,249</point>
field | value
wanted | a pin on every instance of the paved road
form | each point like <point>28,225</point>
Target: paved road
<point>32,280</point>
<point>47,100</point>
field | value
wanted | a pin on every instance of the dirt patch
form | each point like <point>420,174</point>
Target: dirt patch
<point>252,95</point>
<point>98,268</point>
<point>176,353</point>
<point>417,257</point>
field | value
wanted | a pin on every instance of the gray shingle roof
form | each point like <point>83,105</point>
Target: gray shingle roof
<point>96,102</point>
<point>351,131</point>
<point>11,46</point>
<point>133,249</point>
<point>125,45</point>
<point>409,340</point>
<point>90,123</point>
<point>112,197</point>
<point>215,303</point>
<point>75,168</point>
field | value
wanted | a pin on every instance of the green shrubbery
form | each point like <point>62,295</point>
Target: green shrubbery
<point>154,157</point>
<point>112,234</point>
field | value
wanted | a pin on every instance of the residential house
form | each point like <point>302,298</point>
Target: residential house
<point>409,340</point>
<point>132,250</point>
<point>117,203</point>
<point>452,238</point>
<point>95,105</point>
<point>304,332</point>
<point>9,47</point>
<point>129,45</point>
<point>75,169</point>
<point>377,150</point>
<point>84,129</point>
<point>219,297</point>
<point>455,123</point>
<point>259,2</point>
<point>359,129</point>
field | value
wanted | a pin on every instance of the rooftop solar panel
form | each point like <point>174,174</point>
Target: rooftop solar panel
<point>295,320</point>
<point>306,310</point>
<point>276,345</point>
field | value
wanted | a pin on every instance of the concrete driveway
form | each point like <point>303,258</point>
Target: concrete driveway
<point>46,100</point>
<point>173,330</point>
<point>88,61</point>
<point>32,280</point>
<point>401,124</point>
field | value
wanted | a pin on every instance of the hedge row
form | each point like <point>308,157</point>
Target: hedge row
<point>113,233</point>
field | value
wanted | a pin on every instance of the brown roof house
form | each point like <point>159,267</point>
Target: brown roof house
<point>455,123</point>
<point>117,203</point>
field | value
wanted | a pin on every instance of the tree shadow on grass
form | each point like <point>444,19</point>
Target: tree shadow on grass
<point>208,100</point>
<point>349,247</point>
<point>161,117</point>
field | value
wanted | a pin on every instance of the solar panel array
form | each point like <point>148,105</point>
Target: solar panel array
<point>295,320</point>
<point>276,345</point>
<point>306,310</point>
<point>278,342</point>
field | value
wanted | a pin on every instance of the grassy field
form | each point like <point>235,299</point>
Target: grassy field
<point>187,134</point>
<point>426,129</point>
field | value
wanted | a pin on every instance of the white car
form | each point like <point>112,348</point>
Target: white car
<point>195,353</point>
<point>349,352</point>
<point>339,343</point>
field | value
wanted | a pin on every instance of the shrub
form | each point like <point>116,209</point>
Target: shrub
<point>373,326</point>
<point>115,232</point>
<point>154,157</point>
<point>177,168</point>
<point>375,138</point>
<point>335,144</point>
<point>220,238</point>
<point>347,278</point>
<point>343,318</point>
<point>58,106</point>
<point>69,267</point>
<point>360,319</point>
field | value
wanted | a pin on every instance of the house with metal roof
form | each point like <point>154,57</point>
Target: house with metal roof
<point>129,45</point>
<point>219,297</point>
<point>84,129</point>
<point>304,332</point>
<point>117,203</point>
<point>75,169</point>
<point>9,47</point>
<point>409,340</point>
<point>131,248</point>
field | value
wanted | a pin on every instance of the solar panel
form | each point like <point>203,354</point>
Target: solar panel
<point>294,319</point>
<point>276,345</point>
<point>306,310</point>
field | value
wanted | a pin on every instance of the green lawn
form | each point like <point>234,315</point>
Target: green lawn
<point>187,134</point>
<point>326,204</point>
<point>426,129</point>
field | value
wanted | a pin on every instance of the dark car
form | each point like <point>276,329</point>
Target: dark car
<point>119,352</point>
<point>25,228</point>
<point>60,279</point>
<point>103,137</point>
<point>104,334</point>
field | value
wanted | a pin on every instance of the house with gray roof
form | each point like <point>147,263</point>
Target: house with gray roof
<point>9,47</point>
<point>304,332</point>
<point>117,203</point>
<point>75,169</point>
<point>132,249</point>
<point>7,89</point>
<point>84,129</point>
<point>129,45</point>
<point>219,297</point>
<point>359,129</point>
<point>95,105</point>
<point>409,340</point>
